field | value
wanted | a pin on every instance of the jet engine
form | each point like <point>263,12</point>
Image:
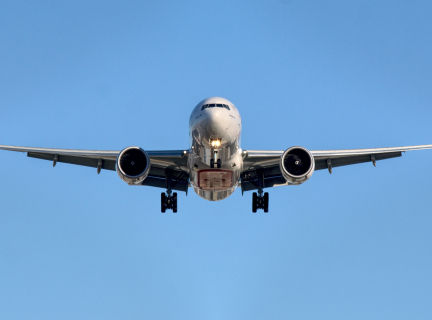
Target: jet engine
<point>297,165</point>
<point>133,165</point>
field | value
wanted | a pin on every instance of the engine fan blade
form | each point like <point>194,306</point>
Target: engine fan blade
<point>293,164</point>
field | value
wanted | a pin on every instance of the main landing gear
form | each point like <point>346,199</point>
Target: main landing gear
<point>259,201</point>
<point>168,198</point>
<point>168,201</point>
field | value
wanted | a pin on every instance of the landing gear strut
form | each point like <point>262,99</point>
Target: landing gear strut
<point>260,200</point>
<point>168,202</point>
<point>218,163</point>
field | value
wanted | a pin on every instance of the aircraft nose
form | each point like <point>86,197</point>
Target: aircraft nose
<point>221,126</point>
<point>218,122</point>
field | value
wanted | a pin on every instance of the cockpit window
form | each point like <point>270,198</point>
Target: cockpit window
<point>212,105</point>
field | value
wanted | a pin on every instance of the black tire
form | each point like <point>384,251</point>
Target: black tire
<point>163,198</point>
<point>211,163</point>
<point>266,202</point>
<point>254,202</point>
<point>174,198</point>
<point>219,163</point>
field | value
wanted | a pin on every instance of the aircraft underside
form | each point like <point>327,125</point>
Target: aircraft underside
<point>214,165</point>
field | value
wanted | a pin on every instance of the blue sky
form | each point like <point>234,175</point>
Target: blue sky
<point>323,75</point>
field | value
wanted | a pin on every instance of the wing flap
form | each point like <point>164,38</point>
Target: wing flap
<point>81,161</point>
<point>106,155</point>
<point>349,160</point>
<point>247,185</point>
<point>272,177</point>
<point>356,152</point>
<point>157,182</point>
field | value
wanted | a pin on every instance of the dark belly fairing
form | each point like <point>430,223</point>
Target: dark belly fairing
<point>207,125</point>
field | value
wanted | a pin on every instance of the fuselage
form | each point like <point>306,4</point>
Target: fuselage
<point>215,160</point>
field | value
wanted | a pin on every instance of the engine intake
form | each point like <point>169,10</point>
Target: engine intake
<point>133,165</point>
<point>297,165</point>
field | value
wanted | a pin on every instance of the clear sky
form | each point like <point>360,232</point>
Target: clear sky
<point>321,74</point>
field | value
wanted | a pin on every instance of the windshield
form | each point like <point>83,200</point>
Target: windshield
<point>214,105</point>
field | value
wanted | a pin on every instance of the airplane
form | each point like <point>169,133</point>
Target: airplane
<point>214,165</point>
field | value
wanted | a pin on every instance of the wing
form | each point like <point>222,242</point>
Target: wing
<point>163,162</point>
<point>267,162</point>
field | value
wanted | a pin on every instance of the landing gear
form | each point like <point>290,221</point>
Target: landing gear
<point>168,202</point>
<point>260,202</point>
<point>215,162</point>
<point>218,163</point>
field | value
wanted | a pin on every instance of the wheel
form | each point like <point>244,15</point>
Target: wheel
<point>219,163</point>
<point>254,202</point>
<point>174,199</point>
<point>266,201</point>
<point>163,199</point>
<point>211,163</point>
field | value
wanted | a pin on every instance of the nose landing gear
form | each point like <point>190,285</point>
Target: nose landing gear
<point>218,163</point>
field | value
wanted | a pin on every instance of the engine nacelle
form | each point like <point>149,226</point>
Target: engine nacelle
<point>133,165</point>
<point>297,165</point>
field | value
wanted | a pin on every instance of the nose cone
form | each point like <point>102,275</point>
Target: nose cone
<point>220,125</point>
<point>217,121</point>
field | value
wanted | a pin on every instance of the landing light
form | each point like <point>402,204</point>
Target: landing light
<point>215,143</point>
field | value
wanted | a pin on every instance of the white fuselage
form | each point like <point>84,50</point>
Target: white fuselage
<point>215,160</point>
